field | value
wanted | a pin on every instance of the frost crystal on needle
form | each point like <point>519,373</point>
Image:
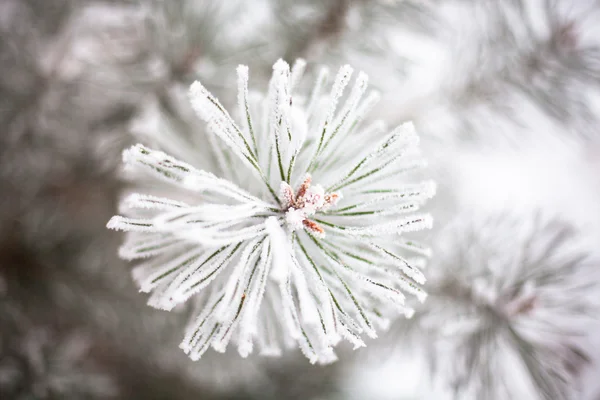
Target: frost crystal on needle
<point>267,247</point>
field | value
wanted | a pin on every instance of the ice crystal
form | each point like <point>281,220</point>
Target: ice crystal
<point>270,251</point>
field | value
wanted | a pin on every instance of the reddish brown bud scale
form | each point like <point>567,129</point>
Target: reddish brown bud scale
<point>304,187</point>
<point>331,199</point>
<point>313,226</point>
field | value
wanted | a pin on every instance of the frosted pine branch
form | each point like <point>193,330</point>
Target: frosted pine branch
<point>510,297</point>
<point>39,363</point>
<point>304,245</point>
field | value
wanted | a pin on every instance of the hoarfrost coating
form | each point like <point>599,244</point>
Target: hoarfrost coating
<point>299,240</point>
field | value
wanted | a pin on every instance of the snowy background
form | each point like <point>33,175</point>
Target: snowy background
<point>504,93</point>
